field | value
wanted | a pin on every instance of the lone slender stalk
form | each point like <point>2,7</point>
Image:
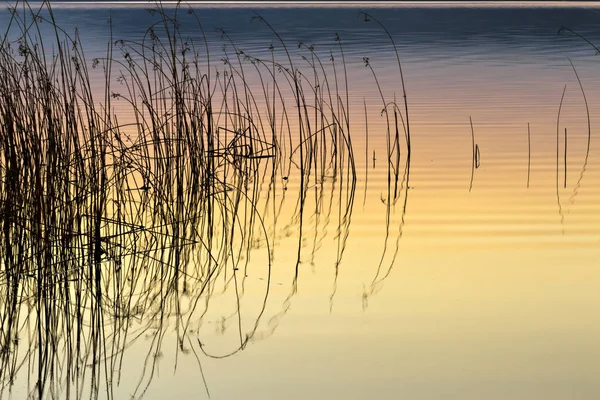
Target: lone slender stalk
<point>474,159</point>
<point>558,203</point>
<point>562,97</point>
<point>565,160</point>
<point>528,154</point>
<point>366,152</point>
<point>589,136</point>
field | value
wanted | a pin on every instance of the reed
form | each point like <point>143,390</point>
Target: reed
<point>589,136</point>
<point>125,211</point>
<point>558,141</point>
<point>558,200</point>
<point>562,30</point>
<point>475,160</point>
<point>528,154</point>
<point>565,159</point>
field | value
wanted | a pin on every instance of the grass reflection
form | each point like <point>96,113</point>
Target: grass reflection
<point>127,212</point>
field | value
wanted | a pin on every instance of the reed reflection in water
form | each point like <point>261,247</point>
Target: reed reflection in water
<point>116,230</point>
<point>197,191</point>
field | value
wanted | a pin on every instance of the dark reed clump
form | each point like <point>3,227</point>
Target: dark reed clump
<point>119,205</point>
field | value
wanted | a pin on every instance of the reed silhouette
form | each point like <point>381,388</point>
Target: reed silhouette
<point>126,211</point>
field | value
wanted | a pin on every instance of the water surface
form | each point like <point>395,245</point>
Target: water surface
<point>425,279</point>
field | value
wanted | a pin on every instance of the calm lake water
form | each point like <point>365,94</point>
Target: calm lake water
<point>428,279</point>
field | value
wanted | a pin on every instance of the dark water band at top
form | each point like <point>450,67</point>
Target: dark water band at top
<point>421,27</point>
